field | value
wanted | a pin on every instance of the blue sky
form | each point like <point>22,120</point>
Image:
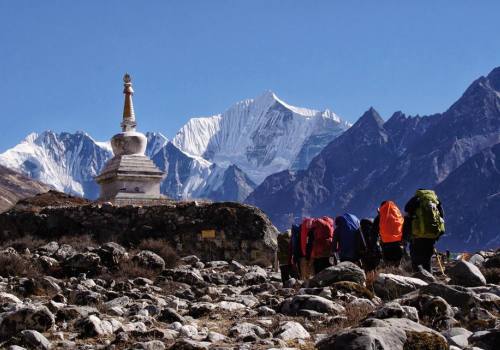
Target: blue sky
<point>61,62</point>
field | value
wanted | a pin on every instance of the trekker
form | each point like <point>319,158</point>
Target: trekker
<point>427,225</point>
<point>284,255</point>
<point>371,258</point>
<point>295,249</point>
<point>389,224</point>
<point>348,240</point>
<point>319,243</point>
<point>305,263</point>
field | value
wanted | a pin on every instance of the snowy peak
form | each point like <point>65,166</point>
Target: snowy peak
<point>260,136</point>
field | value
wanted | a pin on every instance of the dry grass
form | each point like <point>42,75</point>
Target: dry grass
<point>128,270</point>
<point>13,265</point>
<point>78,242</point>
<point>162,248</point>
<point>20,244</point>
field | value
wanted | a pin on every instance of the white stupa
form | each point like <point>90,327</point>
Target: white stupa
<point>130,175</point>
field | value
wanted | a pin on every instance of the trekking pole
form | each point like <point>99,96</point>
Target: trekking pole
<point>439,262</point>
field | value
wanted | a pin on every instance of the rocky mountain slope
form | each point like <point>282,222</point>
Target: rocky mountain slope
<point>376,160</point>
<point>14,186</point>
<point>80,294</point>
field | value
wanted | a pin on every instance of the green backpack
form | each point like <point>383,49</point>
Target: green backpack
<point>427,222</point>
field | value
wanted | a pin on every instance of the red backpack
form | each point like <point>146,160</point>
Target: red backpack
<point>323,236</point>
<point>305,227</point>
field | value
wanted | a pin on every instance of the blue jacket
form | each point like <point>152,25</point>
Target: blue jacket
<point>347,235</point>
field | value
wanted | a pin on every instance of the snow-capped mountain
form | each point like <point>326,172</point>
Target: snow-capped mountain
<point>68,162</point>
<point>260,136</point>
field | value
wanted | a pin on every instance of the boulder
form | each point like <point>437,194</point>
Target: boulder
<point>32,317</point>
<point>292,306</point>
<point>34,340</point>
<point>345,271</point>
<point>486,340</point>
<point>93,326</point>
<point>389,334</point>
<point>88,263</point>
<point>466,274</point>
<point>149,260</point>
<point>458,337</point>
<point>188,344</point>
<point>112,254</point>
<point>390,286</point>
<point>477,260</point>
<point>7,298</point>
<point>454,295</point>
<point>247,332</point>
<point>395,310</point>
<point>150,345</point>
<point>291,330</point>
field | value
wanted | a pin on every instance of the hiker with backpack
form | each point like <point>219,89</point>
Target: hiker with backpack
<point>319,243</point>
<point>371,258</point>
<point>427,225</point>
<point>285,256</point>
<point>295,250</point>
<point>348,240</point>
<point>305,262</point>
<point>389,225</point>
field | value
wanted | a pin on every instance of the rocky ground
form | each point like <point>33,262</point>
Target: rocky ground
<point>76,294</point>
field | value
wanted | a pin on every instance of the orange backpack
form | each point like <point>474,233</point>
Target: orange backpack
<point>391,223</point>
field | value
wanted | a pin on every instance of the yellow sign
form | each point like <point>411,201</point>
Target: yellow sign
<point>208,234</point>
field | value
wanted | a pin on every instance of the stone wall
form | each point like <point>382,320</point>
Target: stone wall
<point>212,231</point>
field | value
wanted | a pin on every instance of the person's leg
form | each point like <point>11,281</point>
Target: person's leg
<point>414,254</point>
<point>428,251</point>
<point>320,264</point>
<point>285,273</point>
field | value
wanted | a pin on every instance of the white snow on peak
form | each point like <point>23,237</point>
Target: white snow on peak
<point>261,136</point>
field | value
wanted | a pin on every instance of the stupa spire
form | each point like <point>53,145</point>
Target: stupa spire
<point>128,123</point>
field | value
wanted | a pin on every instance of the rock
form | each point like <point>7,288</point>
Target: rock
<point>458,337</point>
<point>188,331</point>
<point>230,306</point>
<point>247,332</point>
<point>389,334</point>
<point>291,331</point>
<point>345,271</point>
<point>437,307</point>
<point>169,315</point>
<point>394,310</point>
<point>188,344</point>
<point>32,317</point>
<point>215,337</point>
<point>390,286</point>
<point>6,298</point>
<point>189,260</point>
<point>454,295</point>
<point>487,340</point>
<point>293,305</point>
<point>150,345</point>
<point>34,340</point>
<point>88,263</point>
<point>93,326</point>
<point>466,274</point>
<point>65,251</point>
<point>493,262</point>
<point>190,277</point>
<point>48,249</point>
<point>112,254</point>
<point>150,260</point>
<point>477,260</point>
<point>424,275</point>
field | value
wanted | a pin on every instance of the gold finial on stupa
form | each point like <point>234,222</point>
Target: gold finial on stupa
<point>128,123</point>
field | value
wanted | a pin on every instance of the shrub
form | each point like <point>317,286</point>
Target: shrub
<point>129,270</point>
<point>13,265</point>
<point>20,244</point>
<point>162,248</point>
<point>78,242</point>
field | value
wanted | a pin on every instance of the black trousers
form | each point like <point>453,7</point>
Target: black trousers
<point>421,251</point>
<point>320,264</point>
<point>392,253</point>
<point>288,271</point>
